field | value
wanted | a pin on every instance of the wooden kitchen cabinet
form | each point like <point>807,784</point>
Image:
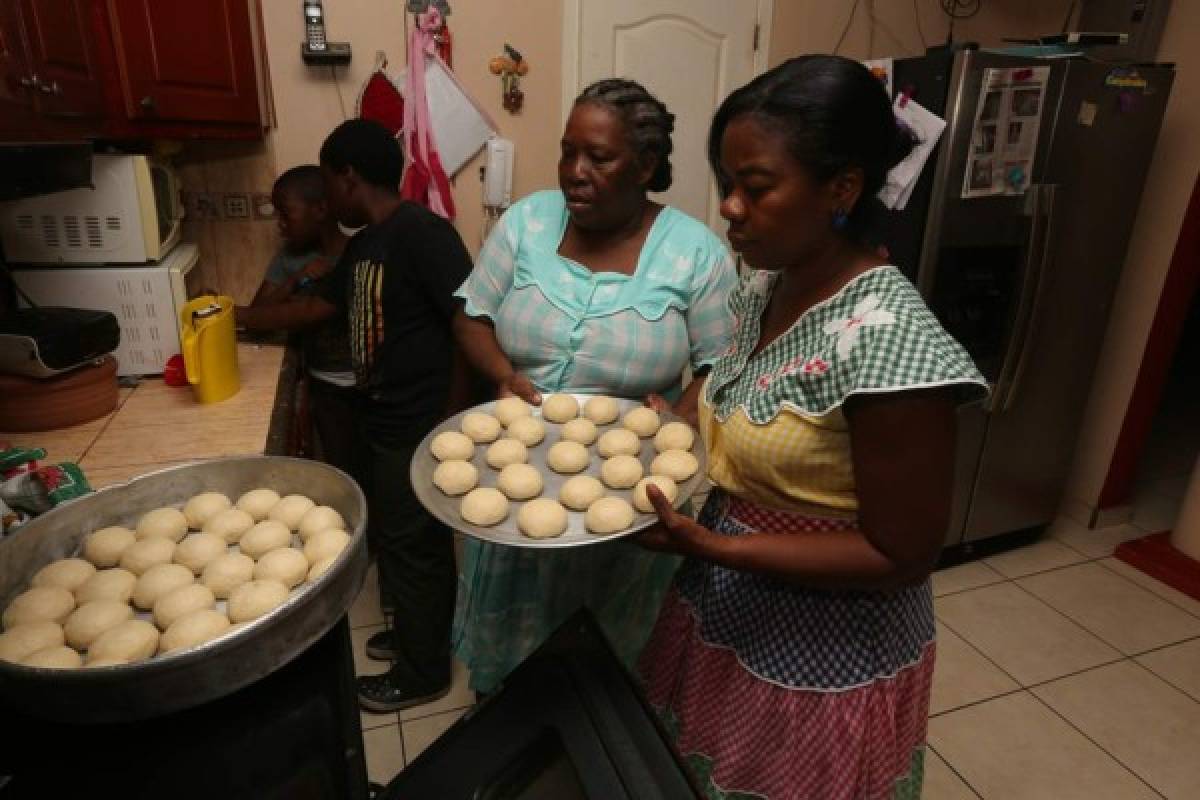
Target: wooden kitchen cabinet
<point>17,117</point>
<point>62,58</point>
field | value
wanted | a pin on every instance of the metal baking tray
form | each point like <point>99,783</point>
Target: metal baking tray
<point>446,508</point>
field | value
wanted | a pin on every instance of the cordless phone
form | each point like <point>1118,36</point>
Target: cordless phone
<point>316,49</point>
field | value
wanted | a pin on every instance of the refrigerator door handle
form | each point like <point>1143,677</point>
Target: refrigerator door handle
<point>1048,192</point>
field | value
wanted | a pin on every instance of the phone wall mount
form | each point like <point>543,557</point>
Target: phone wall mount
<point>334,54</point>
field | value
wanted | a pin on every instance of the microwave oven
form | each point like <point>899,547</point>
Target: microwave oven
<point>133,215</point>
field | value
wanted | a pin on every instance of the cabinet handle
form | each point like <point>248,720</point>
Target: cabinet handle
<point>51,88</point>
<point>147,102</point>
<point>30,82</point>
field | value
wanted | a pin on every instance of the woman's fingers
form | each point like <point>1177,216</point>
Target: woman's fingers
<point>657,402</point>
<point>662,506</point>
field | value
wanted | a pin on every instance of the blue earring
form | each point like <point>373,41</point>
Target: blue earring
<point>840,219</point>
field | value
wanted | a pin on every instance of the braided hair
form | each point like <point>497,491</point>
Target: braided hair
<point>647,122</point>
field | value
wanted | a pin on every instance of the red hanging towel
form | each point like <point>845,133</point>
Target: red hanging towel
<point>380,100</point>
<point>425,180</point>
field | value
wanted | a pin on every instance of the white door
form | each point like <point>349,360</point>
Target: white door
<point>688,53</point>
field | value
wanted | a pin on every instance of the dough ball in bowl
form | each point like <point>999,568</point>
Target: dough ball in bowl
<point>180,601</point>
<point>39,604</point>
<point>192,630</point>
<point>674,436</point>
<point>320,568</point>
<point>318,519</point>
<point>567,458</point>
<point>258,502</point>
<point>66,573</point>
<point>230,525</point>
<point>290,510</point>
<point>484,507</point>
<point>225,573</point>
<point>580,492</point>
<point>60,657</point>
<point>641,501</point>
<point>621,472</point>
<point>265,537</point>
<point>510,409</point>
<point>105,546</point>
<point>542,518</point>
<point>453,478</point>
<point>107,584</point>
<point>325,544</point>
<point>86,623</point>
<point>164,523</point>
<point>481,428</point>
<point>203,506</point>
<point>609,515</point>
<point>159,580</point>
<point>132,640</point>
<point>580,430</point>
<point>197,549</point>
<point>146,553</point>
<point>505,452</point>
<point>253,599</point>
<point>520,482</point>
<point>619,442</point>
<point>529,431</point>
<point>643,421</point>
<point>452,446</point>
<point>560,408</point>
<point>601,410</point>
<point>28,638</point>
<point>678,465</point>
<point>286,565</point>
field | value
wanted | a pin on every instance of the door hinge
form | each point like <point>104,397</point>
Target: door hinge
<point>757,31</point>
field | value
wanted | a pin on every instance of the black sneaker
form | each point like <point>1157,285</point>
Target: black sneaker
<point>380,694</point>
<point>382,646</point>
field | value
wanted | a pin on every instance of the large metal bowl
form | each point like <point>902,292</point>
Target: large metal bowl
<point>188,678</point>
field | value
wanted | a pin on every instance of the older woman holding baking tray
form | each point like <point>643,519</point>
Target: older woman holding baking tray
<point>592,289</point>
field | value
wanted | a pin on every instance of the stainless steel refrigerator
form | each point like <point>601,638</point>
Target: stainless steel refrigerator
<point>1026,280</point>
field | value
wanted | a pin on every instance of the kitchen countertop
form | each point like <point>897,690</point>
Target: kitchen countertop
<point>156,426</point>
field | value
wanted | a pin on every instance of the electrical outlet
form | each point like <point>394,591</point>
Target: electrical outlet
<point>201,206</point>
<point>236,205</point>
<point>262,205</point>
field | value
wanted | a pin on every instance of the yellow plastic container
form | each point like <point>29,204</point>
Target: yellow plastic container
<point>210,348</point>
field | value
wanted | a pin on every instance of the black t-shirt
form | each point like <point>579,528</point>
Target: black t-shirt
<point>395,285</point>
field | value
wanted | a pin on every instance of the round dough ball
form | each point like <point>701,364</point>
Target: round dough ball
<point>225,573</point>
<point>325,544</point>
<point>318,519</point>
<point>529,431</point>
<point>253,599</point>
<point>192,630</point>
<point>609,515</point>
<point>482,428</point>
<point>203,507</point>
<point>28,638</point>
<point>567,457</point>
<point>182,600</point>
<point>196,550</point>
<point>452,446</point>
<point>453,478</point>
<point>107,584</point>
<point>542,518</point>
<point>290,510</point>
<point>505,452</point>
<point>66,573</point>
<point>674,436</point>
<point>229,525</point>
<point>39,604</point>
<point>258,502</point>
<point>619,442</point>
<point>146,553</point>
<point>580,492</point>
<point>157,581</point>
<point>510,409</point>
<point>560,408</point>
<point>320,568</point>
<point>641,501</point>
<point>165,523</point>
<point>643,421</point>
<point>484,507</point>
<point>621,472</point>
<point>520,481</point>
<point>105,546</point>
<point>580,430</point>
<point>601,410</point>
<point>90,620</point>
<point>132,640</point>
<point>679,465</point>
<point>55,658</point>
<point>286,565</point>
<point>265,537</point>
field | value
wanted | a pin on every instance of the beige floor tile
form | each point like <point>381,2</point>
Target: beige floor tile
<point>385,752</point>
<point>962,676</point>
<point>1148,725</point>
<point>1022,635</point>
<point>460,696</point>
<point>1171,595</point>
<point>1120,612</point>
<point>1178,664</point>
<point>1040,556</point>
<point>365,610</point>
<point>1014,748</point>
<point>941,783</point>
<point>420,733</point>
<point>971,575</point>
<point>1157,512</point>
<point>1096,543</point>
